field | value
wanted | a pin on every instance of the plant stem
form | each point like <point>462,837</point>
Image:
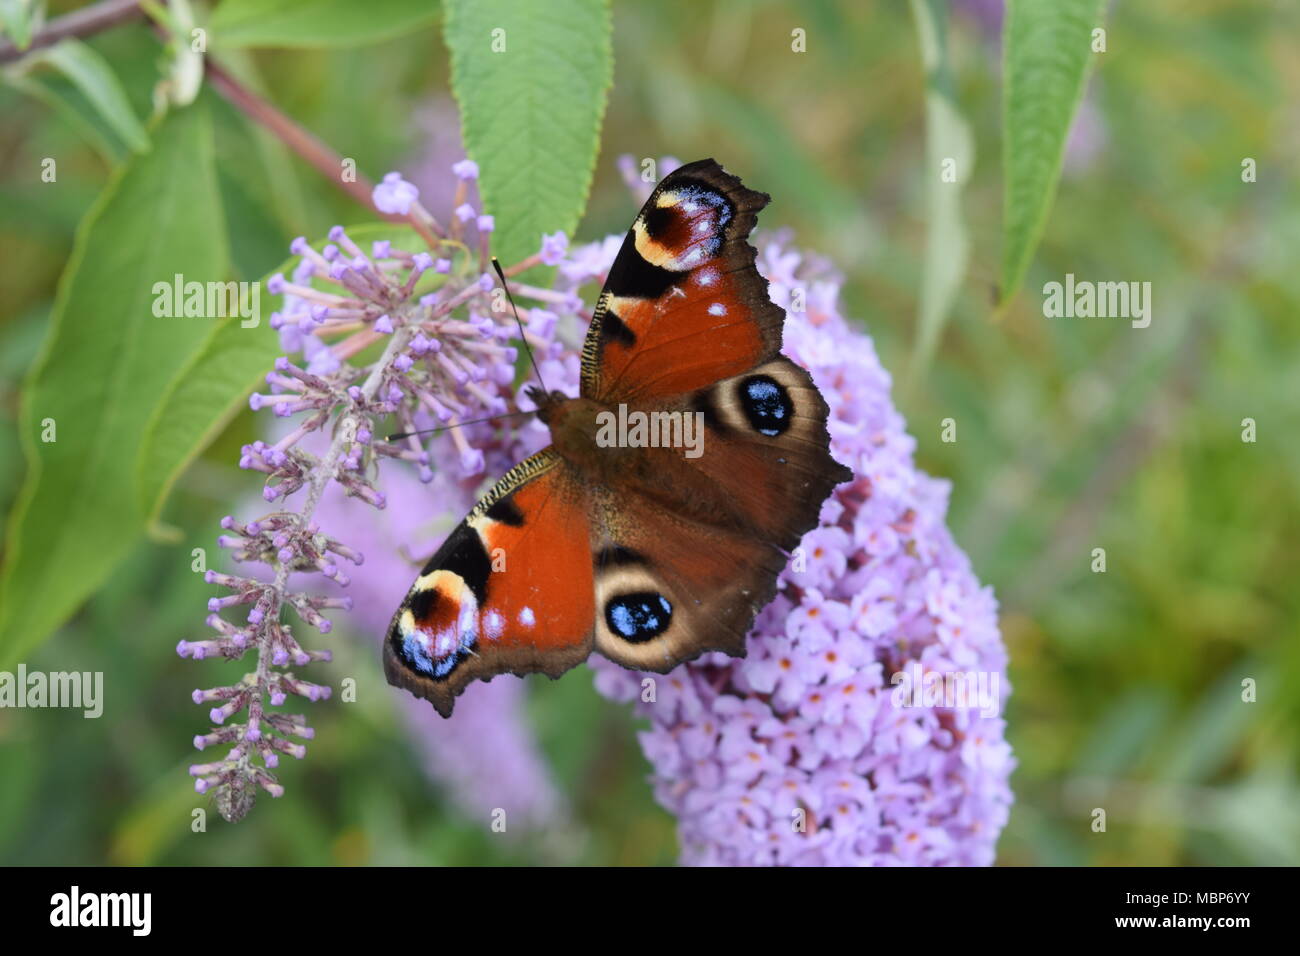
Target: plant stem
<point>109,13</point>
<point>314,152</point>
<point>78,23</point>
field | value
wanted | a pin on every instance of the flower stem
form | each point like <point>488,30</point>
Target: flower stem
<point>314,152</point>
<point>79,23</point>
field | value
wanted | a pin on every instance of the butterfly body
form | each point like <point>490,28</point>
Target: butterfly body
<point>654,526</point>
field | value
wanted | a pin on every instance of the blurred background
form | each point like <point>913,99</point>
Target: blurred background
<point>1074,434</point>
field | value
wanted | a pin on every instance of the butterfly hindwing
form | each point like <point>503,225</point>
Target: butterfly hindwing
<point>669,587</point>
<point>509,590</point>
<point>689,551</point>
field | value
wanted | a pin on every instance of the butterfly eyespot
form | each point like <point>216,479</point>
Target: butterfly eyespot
<point>439,627</point>
<point>767,405</point>
<point>638,617</point>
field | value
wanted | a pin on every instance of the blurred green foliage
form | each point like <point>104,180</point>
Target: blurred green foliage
<point>1073,434</point>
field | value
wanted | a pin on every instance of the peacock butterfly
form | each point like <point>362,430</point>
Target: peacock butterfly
<point>637,549</point>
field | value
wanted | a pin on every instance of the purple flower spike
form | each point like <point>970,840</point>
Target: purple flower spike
<point>465,169</point>
<point>444,356</point>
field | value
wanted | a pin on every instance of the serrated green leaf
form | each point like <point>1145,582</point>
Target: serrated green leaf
<point>1048,51</point>
<point>316,23</point>
<point>105,362</point>
<point>92,75</point>
<point>949,158</point>
<point>531,80</point>
<point>215,384</point>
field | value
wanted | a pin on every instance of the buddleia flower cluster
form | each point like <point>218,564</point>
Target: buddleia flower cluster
<point>445,356</point>
<point>811,750</point>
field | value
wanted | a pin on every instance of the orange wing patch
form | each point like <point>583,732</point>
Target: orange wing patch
<point>509,590</point>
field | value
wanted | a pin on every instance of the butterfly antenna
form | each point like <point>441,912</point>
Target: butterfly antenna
<point>522,336</point>
<point>398,436</point>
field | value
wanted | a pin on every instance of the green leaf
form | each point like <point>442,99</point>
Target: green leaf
<point>105,363</point>
<point>92,75</point>
<point>1048,50</point>
<point>316,23</point>
<point>531,112</point>
<point>19,19</point>
<point>214,385</point>
<point>949,157</point>
<point>61,96</point>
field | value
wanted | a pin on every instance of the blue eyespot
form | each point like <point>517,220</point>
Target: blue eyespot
<point>767,405</point>
<point>638,617</point>
<point>417,655</point>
